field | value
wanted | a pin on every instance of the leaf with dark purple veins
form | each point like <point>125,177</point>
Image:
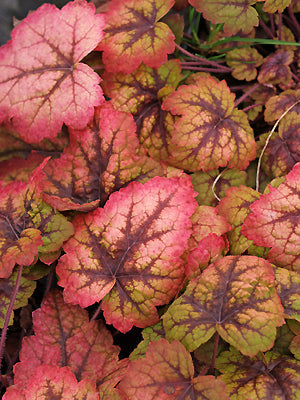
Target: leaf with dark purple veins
<point>128,253</point>
<point>244,63</point>
<point>206,244</point>
<point>65,337</point>
<point>265,376</point>
<point>275,68</point>
<point>287,285</point>
<point>99,160</point>
<point>29,226</point>
<point>211,133</point>
<point>272,6</point>
<point>235,207</point>
<point>11,145</point>
<point>43,83</point>
<point>7,286</point>
<point>141,93</point>
<point>167,373</point>
<point>277,105</point>
<point>237,15</point>
<point>51,382</point>
<point>18,168</point>
<point>283,150</point>
<point>203,184</point>
<point>295,347</point>
<point>133,34</point>
<point>234,296</point>
<point>274,222</point>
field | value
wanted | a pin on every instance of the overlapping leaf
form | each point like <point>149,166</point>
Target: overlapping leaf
<point>274,222</point>
<point>236,15</point>
<point>128,253</point>
<point>235,207</point>
<point>275,68</point>
<point>167,373</point>
<point>283,150</point>
<point>133,34</point>
<point>28,226</point>
<point>49,382</point>
<point>11,145</point>
<point>141,93</point>
<point>99,160</point>
<point>65,337</point>
<point>19,169</point>
<point>287,285</point>
<point>234,296</point>
<point>203,184</point>
<point>7,286</point>
<point>206,243</point>
<point>211,133</point>
<point>265,376</point>
<point>295,347</point>
<point>43,83</point>
<point>244,63</point>
<point>277,105</point>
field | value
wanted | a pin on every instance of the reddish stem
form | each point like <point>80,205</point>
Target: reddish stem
<point>296,25</point>
<point>214,356</point>
<point>96,313</point>
<point>9,312</point>
<point>279,25</point>
<point>247,94</point>
<point>252,106</point>
<point>266,29</point>
<point>203,69</point>
<point>200,59</point>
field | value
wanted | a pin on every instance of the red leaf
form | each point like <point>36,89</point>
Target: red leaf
<point>275,68</point>
<point>134,34</point>
<point>167,373</point>
<point>65,337</point>
<point>99,160</point>
<point>128,253</point>
<point>52,382</point>
<point>274,222</point>
<point>43,83</point>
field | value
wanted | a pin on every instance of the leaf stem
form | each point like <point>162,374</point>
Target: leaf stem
<point>214,356</point>
<point>296,25</point>
<point>267,142</point>
<point>265,28</point>
<point>246,94</point>
<point>202,59</point>
<point>9,312</point>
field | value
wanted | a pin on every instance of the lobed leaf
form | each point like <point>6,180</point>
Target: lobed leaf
<point>234,296</point>
<point>65,337</point>
<point>167,373</point>
<point>203,184</point>
<point>275,68</point>
<point>271,6</point>
<point>265,376</point>
<point>287,286</point>
<point>7,286</point>
<point>43,83</point>
<point>277,105</point>
<point>133,34</point>
<point>141,93</point>
<point>235,208</point>
<point>210,132</point>
<point>50,381</point>
<point>244,63</point>
<point>283,150</point>
<point>128,253</point>
<point>274,222</point>
<point>237,15</point>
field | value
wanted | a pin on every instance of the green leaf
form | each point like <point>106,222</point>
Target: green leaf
<point>234,296</point>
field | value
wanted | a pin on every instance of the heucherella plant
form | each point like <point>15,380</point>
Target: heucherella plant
<point>150,201</point>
